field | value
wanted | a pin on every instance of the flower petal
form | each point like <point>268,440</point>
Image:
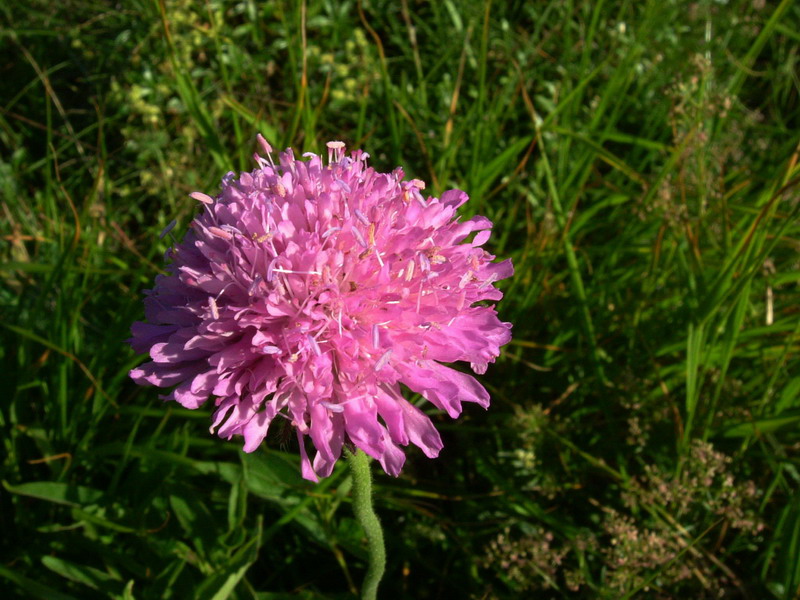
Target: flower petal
<point>444,387</point>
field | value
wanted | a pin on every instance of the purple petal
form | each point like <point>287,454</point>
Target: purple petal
<point>305,465</point>
<point>446,388</point>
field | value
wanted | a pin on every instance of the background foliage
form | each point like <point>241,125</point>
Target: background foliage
<point>639,160</point>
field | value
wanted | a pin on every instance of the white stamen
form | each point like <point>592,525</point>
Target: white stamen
<point>238,314</point>
<point>314,346</point>
<point>383,360</point>
<point>254,285</point>
<point>220,233</point>
<point>322,330</point>
<point>424,263</point>
<point>361,217</point>
<point>282,270</point>
<point>330,232</point>
<point>167,229</point>
<point>337,408</point>
<point>271,269</point>
<point>335,151</point>
<point>224,288</point>
<point>359,237</point>
<point>462,297</point>
<point>410,269</point>
<point>260,160</point>
<point>375,337</point>
<point>342,185</point>
<point>489,281</point>
<point>264,144</point>
<point>212,304</point>
<point>201,197</point>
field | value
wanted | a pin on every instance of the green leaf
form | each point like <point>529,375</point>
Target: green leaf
<point>127,593</point>
<point>88,576</point>
<point>59,493</point>
<point>269,475</point>
<point>788,555</point>
<point>82,515</point>
<point>34,589</point>
<point>762,426</point>
<point>789,395</point>
<point>222,584</point>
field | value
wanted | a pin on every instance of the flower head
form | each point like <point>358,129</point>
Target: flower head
<point>310,291</point>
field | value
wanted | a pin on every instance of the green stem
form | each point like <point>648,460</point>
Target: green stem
<point>365,514</point>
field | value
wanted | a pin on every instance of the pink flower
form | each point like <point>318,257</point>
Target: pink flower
<point>310,292</point>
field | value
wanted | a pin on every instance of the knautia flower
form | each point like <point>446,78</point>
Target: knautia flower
<point>311,292</point>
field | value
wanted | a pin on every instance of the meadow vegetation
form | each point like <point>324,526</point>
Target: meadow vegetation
<point>640,163</point>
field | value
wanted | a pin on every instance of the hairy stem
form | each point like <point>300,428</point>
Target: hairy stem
<point>365,514</point>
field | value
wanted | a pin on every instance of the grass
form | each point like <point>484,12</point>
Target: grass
<point>640,162</point>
